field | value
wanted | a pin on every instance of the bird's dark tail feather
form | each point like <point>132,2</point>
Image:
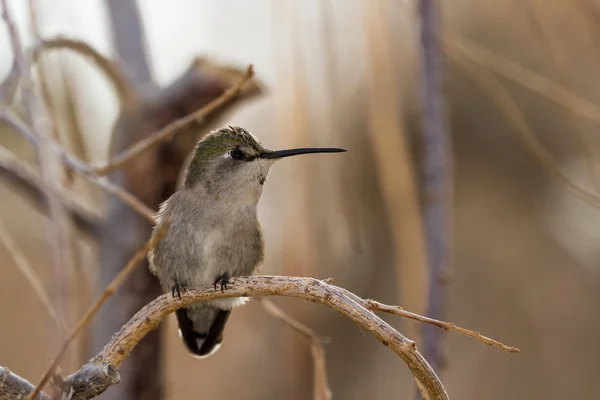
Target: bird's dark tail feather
<point>201,328</point>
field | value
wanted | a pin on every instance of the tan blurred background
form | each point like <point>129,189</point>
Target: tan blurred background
<point>526,251</point>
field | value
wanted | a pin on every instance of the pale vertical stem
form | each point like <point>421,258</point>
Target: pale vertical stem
<point>83,284</point>
<point>436,175</point>
<point>130,42</point>
<point>343,232</point>
<point>299,247</point>
<point>48,161</point>
<point>393,162</point>
<point>294,122</point>
<point>65,226</point>
<point>142,377</point>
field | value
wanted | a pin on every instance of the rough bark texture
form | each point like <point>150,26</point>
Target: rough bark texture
<point>14,387</point>
<point>90,381</point>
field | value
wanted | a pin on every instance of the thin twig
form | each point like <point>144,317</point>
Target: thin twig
<point>24,266</point>
<point>74,130</point>
<point>10,84</point>
<point>454,45</point>
<point>520,74</point>
<point>75,141</point>
<point>27,180</point>
<point>298,326</point>
<point>124,91</point>
<point>8,87</point>
<point>321,390</point>
<point>80,167</point>
<point>47,100</point>
<point>449,326</point>
<point>526,78</point>
<point>320,381</point>
<point>397,310</point>
<point>503,99</point>
<point>108,292</point>
<point>169,131</point>
<point>41,69</point>
<point>533,9</point>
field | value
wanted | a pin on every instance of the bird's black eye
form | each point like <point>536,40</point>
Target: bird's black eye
<point>237,154</point>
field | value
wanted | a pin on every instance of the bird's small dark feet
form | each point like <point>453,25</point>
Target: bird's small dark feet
<point>178,288</point>
<point>223,280</point>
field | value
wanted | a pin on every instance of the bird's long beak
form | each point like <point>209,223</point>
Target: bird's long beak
<point>294,152</point>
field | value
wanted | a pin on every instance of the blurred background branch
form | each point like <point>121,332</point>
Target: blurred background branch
<point>437,176</point>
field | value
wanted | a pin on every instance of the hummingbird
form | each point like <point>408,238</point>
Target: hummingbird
<point>214,232</point>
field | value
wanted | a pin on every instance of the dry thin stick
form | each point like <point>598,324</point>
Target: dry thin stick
<point>544,32</point>
<point>527,78</point>
<point>500,95</point>
<point>485,58</point>
<point>74,130</point>
<point>321,390</point>
<point>80,166</point>
<point>41,69</point>
<point>24,176</point>
<point>108,291</point>
<point>30,275</point>
<point>170,130</point>
<point>125,92</point>
<point>449,326</point>
<point>307,332</point>
<point>47,98</point>
<point>320,381</point>
<point>522,75</point>
<point>9,86</point>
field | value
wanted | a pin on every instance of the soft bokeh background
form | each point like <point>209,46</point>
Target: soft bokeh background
<point>345,73</point>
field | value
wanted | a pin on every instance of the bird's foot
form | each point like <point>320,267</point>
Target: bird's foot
<point>223,280</point>
<point>178,288</point>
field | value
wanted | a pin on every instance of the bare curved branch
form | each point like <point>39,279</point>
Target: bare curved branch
<point>148,318</point>
<point>102,371</point>
<point>125,92</point>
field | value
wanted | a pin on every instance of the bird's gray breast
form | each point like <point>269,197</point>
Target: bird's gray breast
<point>233,245</point>
<point>206,240</point>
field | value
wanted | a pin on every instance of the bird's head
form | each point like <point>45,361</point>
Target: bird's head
<point>232,161</point>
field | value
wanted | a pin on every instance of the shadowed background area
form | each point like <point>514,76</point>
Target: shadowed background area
<point>521,95</point>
